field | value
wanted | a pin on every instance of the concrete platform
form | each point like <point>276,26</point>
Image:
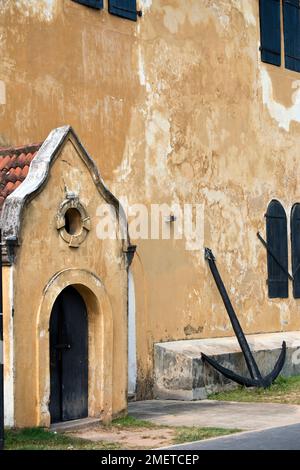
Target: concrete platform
<point>181,375</point>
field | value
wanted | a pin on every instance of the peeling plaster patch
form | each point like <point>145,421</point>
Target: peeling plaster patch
<point>141,67</point>
<point>158,148</point>
<point>43,7</point>
<point>245,7</point>
<point>2,92</point>
<point>4,4</point>
<point>173,19</point>
<point>233,217</point>
<point>123,171</point>
<point>249,318</point>
<point>191,330</point>
<point>214,196</point>
<point>146,4</point>
<point>197,14</point>
<point>223,19</point>
<point>141,70</point>
<point>125,168</point>
<point>158,125</point>
<point>45,402</point>
<point>285,315</point>
<point>278,111</point>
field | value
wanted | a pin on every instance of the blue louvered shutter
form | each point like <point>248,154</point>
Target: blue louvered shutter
<point>278,255</point>
<point>291,27</point>
<point>123,8</point>
<point>91,3</point>
<point>295,241</point>
<point>270,37</point>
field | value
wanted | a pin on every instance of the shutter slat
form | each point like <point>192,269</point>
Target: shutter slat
<point>270,37</point>
<point>276,225</point>
<point>291,26</point>
<point>295,241</point>
<point>123,8</point>
<point>98,4</point>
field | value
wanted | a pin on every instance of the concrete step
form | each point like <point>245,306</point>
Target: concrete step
<point>181,375</point>
<point>131,397</point>
<point>75,424</point>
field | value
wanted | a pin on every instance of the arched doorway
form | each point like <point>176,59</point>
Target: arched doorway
<point>68,357</point>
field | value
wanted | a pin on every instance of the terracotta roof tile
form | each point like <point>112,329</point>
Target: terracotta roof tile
<point>14,167</point>
<point>24,172</point>
<point>18,172</point>
<point>4,161</point>
<point>22,159</point>
<point>11,175</point>
<point>29,158</point>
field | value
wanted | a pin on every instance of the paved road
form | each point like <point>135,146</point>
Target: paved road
<point>280,438</point>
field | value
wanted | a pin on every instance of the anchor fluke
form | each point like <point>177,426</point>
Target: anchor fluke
<point>245,381</point>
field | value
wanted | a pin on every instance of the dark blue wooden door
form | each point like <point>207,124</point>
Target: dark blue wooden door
<point>68,357</point>
<point>295,239</point>
<point>278,255</point>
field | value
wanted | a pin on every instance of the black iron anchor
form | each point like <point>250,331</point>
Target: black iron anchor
<point>256,380</point>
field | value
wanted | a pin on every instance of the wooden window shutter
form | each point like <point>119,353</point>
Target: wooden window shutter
<point>291,27</point>
<point>91,3</point>
<point>124,8</point>
<point>278,255</point>
<point>270,37</point>
<point>295,241</point>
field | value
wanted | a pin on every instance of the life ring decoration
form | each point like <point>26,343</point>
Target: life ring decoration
<point>72,221</point>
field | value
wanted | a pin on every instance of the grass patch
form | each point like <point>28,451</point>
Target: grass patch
<point>131,422</point>
<point>41,439</point>
<point>186,434</point>
<point>284,390</point>
<point>44,439</point>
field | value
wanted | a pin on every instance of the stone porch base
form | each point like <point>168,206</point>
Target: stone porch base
<point>181,375</point>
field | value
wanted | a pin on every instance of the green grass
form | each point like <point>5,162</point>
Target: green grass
<point>131,422</point>
<point>284,390</point>
<point>181,434</point>
<point>198,434</point>
<point>41,439</point>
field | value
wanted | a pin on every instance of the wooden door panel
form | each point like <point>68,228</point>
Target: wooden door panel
<point>55,363</point>
<point>75,359</point>
<point>68,357</point>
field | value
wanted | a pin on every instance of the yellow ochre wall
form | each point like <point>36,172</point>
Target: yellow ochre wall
<point>177,107</point>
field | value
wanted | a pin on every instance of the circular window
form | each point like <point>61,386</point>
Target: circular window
<point>73,224</point>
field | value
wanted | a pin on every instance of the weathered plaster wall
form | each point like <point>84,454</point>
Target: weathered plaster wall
<point>44,265</point>
<point>174,108</point>
<point>8,329</point>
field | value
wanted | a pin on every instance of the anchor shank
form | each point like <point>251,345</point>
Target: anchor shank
<point>250,361</point>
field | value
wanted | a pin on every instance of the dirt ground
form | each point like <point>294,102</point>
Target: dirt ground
<point>140,438</point>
